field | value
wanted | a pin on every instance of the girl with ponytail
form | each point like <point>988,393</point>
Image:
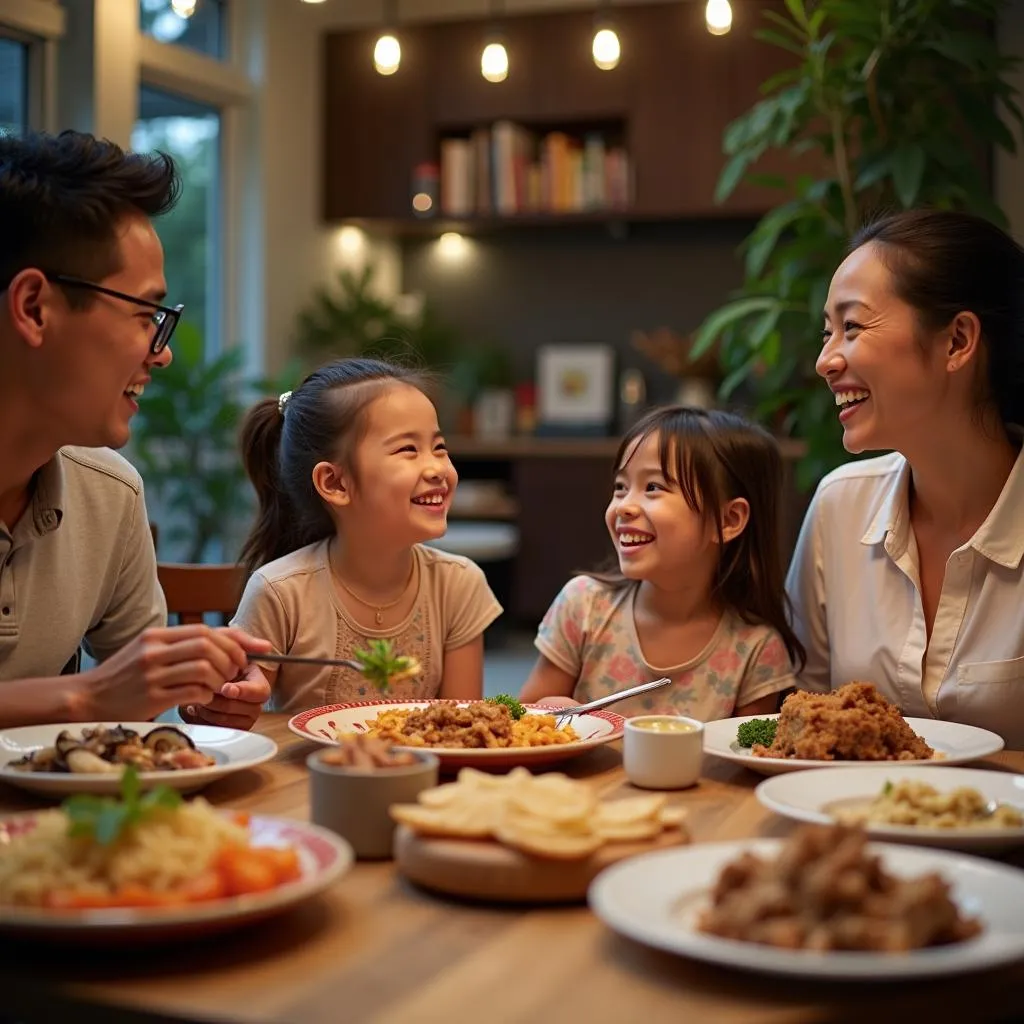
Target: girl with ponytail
<point>352,476</point>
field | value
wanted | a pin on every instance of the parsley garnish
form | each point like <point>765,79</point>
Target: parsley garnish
<point>104,818</point>
<point>380,664</point>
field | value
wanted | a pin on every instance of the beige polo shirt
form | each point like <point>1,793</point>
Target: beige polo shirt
<point>855,586</point>
<point>78,566</point>
<point>292,603</point>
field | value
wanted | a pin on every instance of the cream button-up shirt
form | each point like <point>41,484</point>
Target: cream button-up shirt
<point>855,586</point>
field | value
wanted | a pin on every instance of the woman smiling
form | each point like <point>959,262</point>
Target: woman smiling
<point>908,569</point>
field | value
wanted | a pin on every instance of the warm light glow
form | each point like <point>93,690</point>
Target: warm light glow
<point>351,240</point>
<point>312,1</point>
<point>183,8</point>
<point>718,17</point>
<point>606,49</point>
<point>494,62</point>
<point>387,55</point>
<point>422,203</point>
<point>452,246</point>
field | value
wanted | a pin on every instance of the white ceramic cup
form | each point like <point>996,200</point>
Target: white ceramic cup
<point>664,758</point>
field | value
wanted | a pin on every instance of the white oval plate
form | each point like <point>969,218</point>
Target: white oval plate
<point>810,796</point>
<point>323,858</point>
<point>655,899</point>
<point>233,750</point>
<point>957,743</point>
<point>325,723</point>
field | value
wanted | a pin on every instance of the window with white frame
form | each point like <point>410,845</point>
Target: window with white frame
<point>199,25</point>
<point>13,86</point>
<point>190,132</point>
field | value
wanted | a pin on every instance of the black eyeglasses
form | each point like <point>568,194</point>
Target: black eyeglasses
<point>164,317</point>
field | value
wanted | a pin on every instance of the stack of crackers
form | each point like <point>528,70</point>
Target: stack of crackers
<point>551,816</point>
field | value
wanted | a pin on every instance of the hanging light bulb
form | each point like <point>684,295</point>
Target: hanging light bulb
<point>183,8</point>
<point>387,54</point>
<point>718,17</point>
<point>605,48</point>
<point>494,62</point>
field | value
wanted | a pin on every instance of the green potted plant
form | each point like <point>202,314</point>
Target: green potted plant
<point>901,103</point>
<point>350,317</point>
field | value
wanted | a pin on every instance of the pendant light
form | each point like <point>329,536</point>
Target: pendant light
<point>718,17</point>
<point>387,53</point>
<point>183,8</point>
<point>494,56</point>
<point>605,47</point>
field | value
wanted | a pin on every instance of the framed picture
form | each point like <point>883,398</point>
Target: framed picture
<point>575,389</point>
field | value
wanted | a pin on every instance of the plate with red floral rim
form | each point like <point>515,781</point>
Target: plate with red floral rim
<point>323,858</point>
<point>328,724</point>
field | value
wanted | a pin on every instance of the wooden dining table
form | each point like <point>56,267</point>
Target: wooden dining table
<point>375,948</point>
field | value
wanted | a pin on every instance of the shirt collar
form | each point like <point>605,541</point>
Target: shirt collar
<point>893,515</point>
<point>48,496</point>
<point>1000,538</point>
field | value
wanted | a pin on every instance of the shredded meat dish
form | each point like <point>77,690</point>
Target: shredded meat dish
<point>447,725</point>
<point>853,723</point>
<point>824,891</point>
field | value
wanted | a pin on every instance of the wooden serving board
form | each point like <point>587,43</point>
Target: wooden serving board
<point>487,870</point>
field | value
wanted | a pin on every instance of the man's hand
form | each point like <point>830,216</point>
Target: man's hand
<point>238,704</point>
<point>164,668</point>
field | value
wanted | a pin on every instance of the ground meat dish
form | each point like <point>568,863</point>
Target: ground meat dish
<point>448,725</point>
<point>824,891</point>
<point>853,723</point>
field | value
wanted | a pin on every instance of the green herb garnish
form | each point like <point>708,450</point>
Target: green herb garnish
<point>887,788</point>
<point>757,730</point>
<point>515,708</point>
<point>382,667</point>
<point>104,818</point>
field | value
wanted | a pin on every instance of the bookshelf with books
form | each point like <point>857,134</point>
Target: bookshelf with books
<point>511,170</point>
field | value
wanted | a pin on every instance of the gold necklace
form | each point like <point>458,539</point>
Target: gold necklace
<point>379,609</point>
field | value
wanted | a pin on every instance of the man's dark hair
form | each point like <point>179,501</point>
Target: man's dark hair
<point>62,196</point>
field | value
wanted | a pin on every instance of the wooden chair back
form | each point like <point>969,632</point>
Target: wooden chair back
<point>193,591</point>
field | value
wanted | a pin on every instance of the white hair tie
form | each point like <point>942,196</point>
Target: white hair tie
<point>281,401</point>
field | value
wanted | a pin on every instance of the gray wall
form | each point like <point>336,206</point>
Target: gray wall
<point>520,288</point>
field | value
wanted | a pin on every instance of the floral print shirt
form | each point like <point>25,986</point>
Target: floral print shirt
<point>590,632</point>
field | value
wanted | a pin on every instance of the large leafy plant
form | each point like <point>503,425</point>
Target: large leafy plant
<point>899,103</point>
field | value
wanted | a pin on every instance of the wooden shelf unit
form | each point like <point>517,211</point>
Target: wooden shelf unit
<point>673,94</point>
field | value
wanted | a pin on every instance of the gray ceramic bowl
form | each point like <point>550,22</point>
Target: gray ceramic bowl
<point>354,802</point>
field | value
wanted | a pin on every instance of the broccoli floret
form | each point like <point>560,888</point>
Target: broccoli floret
<point>516,710</point>
<point>757,730</point>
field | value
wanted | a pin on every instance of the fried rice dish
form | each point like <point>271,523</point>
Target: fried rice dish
<point>479,725</point>
<point>853,723</point>
<point>825,891</point>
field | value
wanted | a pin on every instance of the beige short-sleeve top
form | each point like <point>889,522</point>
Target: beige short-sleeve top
<point>292,603</point>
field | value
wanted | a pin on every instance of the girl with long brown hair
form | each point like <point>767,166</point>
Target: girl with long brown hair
<point>698,591</point>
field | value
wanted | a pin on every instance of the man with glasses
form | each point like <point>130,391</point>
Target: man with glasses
<point>83,325</point>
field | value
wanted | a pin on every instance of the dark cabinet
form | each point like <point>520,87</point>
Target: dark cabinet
<point>674,92</point>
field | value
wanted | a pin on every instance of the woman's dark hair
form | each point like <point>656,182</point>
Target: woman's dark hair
<point>61,200</point>
<point>322,420</point>
<point>944,263</point>
<point>715,456</point>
